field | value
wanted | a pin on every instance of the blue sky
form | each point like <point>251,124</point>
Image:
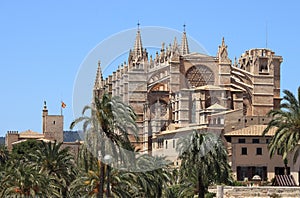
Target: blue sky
<point>43,43</point>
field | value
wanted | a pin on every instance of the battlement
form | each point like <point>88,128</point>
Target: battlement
<point>12,132</point>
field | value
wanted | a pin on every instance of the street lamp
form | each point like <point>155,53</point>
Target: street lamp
<point>108,159</point>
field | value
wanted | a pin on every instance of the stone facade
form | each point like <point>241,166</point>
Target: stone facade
<point>179,91</point>
<point>262,191</point>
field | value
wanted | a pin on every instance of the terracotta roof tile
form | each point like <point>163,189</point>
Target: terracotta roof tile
<point>253,130</point>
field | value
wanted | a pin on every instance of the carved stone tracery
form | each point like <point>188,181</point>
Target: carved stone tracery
<point>200,75</point>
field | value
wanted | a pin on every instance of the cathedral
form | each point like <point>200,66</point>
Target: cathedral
<point>179,91</point>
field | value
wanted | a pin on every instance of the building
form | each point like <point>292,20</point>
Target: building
<point>180,91</point>
<point>249,155</point>
<point>52,130</point>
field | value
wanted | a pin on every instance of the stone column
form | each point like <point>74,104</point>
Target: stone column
<point>220,191</point>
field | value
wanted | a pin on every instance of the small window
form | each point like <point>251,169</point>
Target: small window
<point>245,120</point>
<point>173,143</point>
<point>258,151</point>
<point>239,120</point>
<point>255,141</point>
<point>242,140</point>
<point>267,141</point>
<point>244,150</point>
<point>166,144</point>
<point>54,122</point>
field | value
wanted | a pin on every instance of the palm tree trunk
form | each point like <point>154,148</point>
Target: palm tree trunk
<point>101,181</point>
<point>285,166</point>
<point>102,172</point>
<point>201,189</point>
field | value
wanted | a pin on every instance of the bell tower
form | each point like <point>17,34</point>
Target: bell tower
<point>52,125</point>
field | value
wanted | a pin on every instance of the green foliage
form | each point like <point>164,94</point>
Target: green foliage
<point>23,180</point>
<point>204,161</point>
<point>4,156</point>
<point>23,149</point>
<point>238,183</point>
<point>210,195</point>
<point>286,119</point>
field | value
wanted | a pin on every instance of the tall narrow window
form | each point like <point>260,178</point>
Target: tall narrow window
<point>244,150</point>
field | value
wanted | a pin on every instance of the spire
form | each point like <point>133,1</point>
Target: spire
<point>175,45</point>
<point>235,64</point>
<point>222,52</point>
<point>175,50</point>
<point>184,43</point>
<point>138,48</point>
<point>99,78</point>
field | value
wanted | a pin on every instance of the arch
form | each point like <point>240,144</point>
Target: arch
<point>159,87</point>
<point>200,75</point>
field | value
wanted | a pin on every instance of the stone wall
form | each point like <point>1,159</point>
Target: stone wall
<point>261,191</point>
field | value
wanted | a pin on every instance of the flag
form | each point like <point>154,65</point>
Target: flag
<point>63,105</point>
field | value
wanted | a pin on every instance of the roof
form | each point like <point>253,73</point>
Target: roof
<point>253,130</point>
<point>216,106</point>
<point>210,87</point>
<point>30,134</point>
<point>284,180</point>
<point>187,129</point>
<point>24,140</point>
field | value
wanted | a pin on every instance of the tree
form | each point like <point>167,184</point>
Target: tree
<point>4,155</point>
<point>109,125</point>
<point>286,120</point>
<point>57,163</point>
<point>203,162</point>
<point>138,181</point>
<point>22,150</point>
<point>22,180</point>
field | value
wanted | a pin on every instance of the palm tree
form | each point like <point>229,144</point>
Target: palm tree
<point>127,183</point>
<point>3,156</point>
<point>286,120</point>
<point>109,125</point>
<point>86,160</point>
<point>203,161</point>
<point>55,162</point>
<point>23,180</point>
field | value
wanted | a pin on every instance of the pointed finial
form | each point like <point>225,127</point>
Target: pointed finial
<point>184,25</point>
<point>45,104</point>
<point>138,24</point>
<point>223,41</point>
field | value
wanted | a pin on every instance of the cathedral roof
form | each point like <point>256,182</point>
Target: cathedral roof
<point>253,130</point>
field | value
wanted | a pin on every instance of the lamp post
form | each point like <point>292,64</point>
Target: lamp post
<point>108,159</point>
